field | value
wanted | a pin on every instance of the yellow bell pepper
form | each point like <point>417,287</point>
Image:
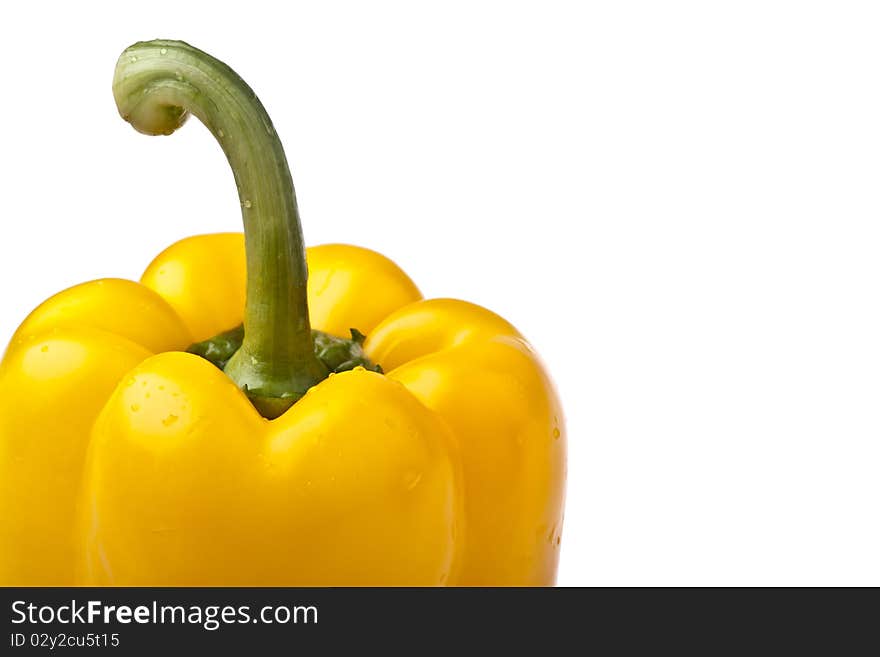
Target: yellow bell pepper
<point>431,453</point>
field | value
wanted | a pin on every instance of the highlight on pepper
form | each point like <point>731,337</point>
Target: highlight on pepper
<point>252,412</point>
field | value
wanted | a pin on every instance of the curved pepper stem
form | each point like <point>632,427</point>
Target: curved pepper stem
<point>157,84</point>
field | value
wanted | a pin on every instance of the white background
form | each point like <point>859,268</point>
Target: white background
<point>676,202</point>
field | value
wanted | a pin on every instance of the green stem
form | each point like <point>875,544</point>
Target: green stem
<point>156,85</point>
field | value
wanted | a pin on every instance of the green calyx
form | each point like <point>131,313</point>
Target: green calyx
<point>337,354</point>
<point>157,85</point>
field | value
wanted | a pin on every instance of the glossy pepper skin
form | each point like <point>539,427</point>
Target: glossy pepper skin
<point>126,461</point>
